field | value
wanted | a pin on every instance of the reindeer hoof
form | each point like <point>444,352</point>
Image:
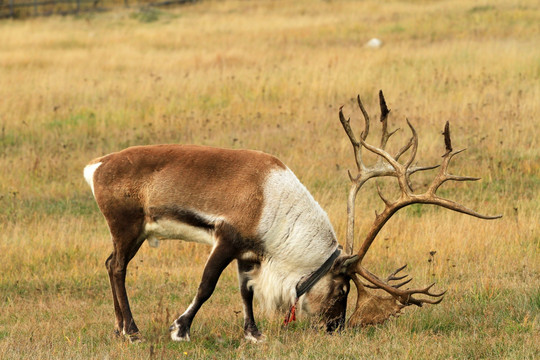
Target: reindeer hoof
<point>255,337</point>
<point>179,332</point>
<point>135,338</point>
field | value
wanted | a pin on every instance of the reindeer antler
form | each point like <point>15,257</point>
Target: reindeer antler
<point>388,165</point>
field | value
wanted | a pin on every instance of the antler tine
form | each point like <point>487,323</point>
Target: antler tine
<point>451,205</point>
<point>447,140</point>
<point>347,127</point>
<point>386,201</point>
<point>414,169</point>
<point>383,119</point>
<point>385,135</point>
<point>414,145</point>
<point>396,286</point>
<point>346,123</point>
<point>402,283</point>
<point>404,149</point>
<point>413,141</point>
<point>393,277</point>
<point>384,108</point>
<point>357,182</point>
<point>366,118</point>
<point>403,296</point>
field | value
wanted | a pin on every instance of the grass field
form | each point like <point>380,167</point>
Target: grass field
<point>271,75</point>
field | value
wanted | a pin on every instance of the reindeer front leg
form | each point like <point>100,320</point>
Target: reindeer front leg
<point>222,254</point>
<point>251,332</point>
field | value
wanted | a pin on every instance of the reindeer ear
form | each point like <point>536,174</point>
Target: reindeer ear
<point>344,263</point>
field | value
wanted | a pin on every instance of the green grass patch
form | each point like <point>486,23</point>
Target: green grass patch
<point>3,334</point>
<point>86,117</point>
<point>14,209</point>
<point>481,8</point>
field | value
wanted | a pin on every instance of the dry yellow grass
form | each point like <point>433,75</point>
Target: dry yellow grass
<point>271,75</point>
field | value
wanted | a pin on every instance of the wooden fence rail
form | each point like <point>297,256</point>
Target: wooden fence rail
<point>22,8</point>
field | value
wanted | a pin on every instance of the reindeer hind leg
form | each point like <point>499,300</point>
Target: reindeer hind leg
<point>119,323</point>
<point>126,242</point>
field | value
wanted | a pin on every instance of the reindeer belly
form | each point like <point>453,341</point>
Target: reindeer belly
<point>173,229</point>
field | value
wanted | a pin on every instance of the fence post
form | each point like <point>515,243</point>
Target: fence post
<point>78,6</point>
<point>11,12</point>
<point>35,8</point>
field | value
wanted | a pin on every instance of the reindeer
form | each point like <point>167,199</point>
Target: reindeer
<point>249,207</point>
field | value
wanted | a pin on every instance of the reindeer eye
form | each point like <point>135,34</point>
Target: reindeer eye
<point>342,290</point>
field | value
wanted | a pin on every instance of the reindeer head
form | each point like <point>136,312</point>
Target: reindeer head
<point>328,297</point>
